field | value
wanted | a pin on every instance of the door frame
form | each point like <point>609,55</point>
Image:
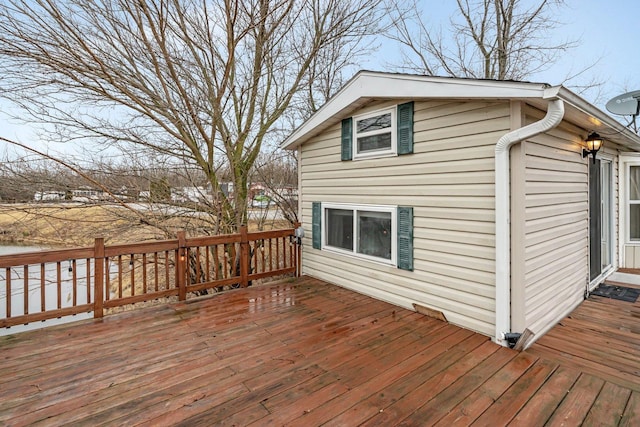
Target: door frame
<point>625,161</point>
<point>610,227</point>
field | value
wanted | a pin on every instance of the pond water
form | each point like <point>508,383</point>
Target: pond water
<point>34,286</point>
<point>12,249</point>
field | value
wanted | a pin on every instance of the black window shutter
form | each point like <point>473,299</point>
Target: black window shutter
<point>316,225</point>
<point>405,238</point>
<point>347,139</point>
<point>405,128</point>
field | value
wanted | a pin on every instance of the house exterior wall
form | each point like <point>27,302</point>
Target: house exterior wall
<point>555,227</point>
<point>631,255</point>
<point>449,182</point>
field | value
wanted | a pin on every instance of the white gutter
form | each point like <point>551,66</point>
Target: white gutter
<point>555,113</point>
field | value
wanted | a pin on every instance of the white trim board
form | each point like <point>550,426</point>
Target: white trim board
<point>632,279</point>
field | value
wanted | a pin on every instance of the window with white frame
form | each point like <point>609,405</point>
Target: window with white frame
<point>634,203</point>
<point>375,133</point>
<point>360,230</point>
<point>383,133</point>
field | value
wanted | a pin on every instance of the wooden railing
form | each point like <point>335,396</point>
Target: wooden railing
<point>51,284</point>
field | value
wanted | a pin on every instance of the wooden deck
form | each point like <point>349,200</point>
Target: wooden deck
<point>600,339</point>
<point>307,353</point>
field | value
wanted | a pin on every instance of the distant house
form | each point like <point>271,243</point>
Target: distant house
<point>256,189</point>
<point>469,198</point>
<point>48,196</point>
<point>87,194</point>
<point>81,194</point>
<point>227,189</point>
<point>262,195</point>
<point>190,194</point>
<point>287,192</point>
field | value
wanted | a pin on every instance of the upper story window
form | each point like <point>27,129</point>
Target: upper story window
<point>381,133</point>
<point>375,133</point>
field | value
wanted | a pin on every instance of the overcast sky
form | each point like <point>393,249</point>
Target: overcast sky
<point>608,36</point>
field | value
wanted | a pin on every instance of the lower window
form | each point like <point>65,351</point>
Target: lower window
<point>361,230</point>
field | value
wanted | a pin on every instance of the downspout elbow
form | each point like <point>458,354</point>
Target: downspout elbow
<point>554,116</point>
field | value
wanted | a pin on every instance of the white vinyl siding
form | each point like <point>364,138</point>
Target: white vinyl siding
<point>449,182</point>
<point>631,256</point>
<point>556,227</point>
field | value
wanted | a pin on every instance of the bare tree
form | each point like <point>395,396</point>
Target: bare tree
<point>277,172</point>
<point>490,39</point>
<point>199,82</point>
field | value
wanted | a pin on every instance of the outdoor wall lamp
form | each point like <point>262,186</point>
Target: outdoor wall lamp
<point>594,142</point>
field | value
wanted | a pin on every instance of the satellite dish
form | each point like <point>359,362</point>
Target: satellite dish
<point>625,104</point>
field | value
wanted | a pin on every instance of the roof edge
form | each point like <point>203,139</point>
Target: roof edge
<point>376,84</point>
<point>600,118</point>
<point>382,85</point>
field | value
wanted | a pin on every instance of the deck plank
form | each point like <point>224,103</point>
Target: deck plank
<point>306,353</point>
<point>442,402</point>
<point>631,415</point>
<point>544,403</point>
<point>609,406</point>
<point>626,363</point>
<point>600,338</point>
<point>447,353</point>
<point>576,405</point>
<point>474,405</point>
<point>412,401</point>
<point>507,406</point>
<point>436,343</point>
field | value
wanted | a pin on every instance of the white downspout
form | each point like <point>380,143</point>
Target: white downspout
<point>555,113</point>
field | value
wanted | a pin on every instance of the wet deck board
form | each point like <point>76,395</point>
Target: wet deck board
<point>308,353</point>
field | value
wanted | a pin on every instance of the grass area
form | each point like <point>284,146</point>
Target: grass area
<point>65,225</point>
<point>69,224</point>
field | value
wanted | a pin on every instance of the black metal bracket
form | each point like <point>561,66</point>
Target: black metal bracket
<point>512,338</point>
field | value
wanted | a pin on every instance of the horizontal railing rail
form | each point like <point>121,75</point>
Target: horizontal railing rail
<point>50,284</point>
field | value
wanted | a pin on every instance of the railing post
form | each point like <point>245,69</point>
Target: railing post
<point>181,266</point>
<point>98,282</point>
<point>244,257</point>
